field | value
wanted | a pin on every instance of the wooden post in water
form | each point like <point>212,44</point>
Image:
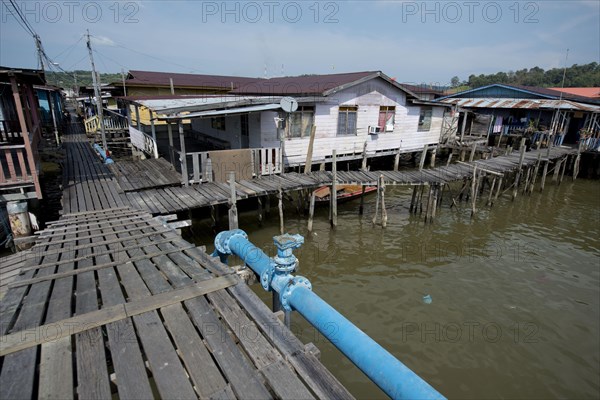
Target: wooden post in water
<point>577,161</point>
<point>434,202</point>
<point>421,199</point>
<point>544,173</point>
<point>333,194</point>
<point>499,190</point>
<point>171,150</point>
<point>473,191</point>
<point>557,167</point>
<point>311,211</point>
<point>489,200</point>
<point>413,205</point>
<point>260,210</point>
<point>473,150</point>
<point>449,159</point>
<point>535,172</point>
<point>233,214</point>
<point>280,205</point>
<point>383,210</point>
<point>526,186</point>
<point>362,200</point>
<point>520,170</point>
<point>377,202</point>
<point>564,167</point>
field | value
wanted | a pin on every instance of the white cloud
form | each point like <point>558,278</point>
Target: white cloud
<point>102,40</point>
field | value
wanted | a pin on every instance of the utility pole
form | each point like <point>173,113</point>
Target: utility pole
<point>38,45</point>
<point>98,94</point>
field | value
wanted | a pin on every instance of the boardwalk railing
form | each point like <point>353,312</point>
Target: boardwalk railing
<point>144,142</point>
<point>14,166</point>
<point>265,161</point>
<point>113,122</point>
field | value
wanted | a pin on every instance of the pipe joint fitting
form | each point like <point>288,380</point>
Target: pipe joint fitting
<point>293,284</point>
<point>222,240</point>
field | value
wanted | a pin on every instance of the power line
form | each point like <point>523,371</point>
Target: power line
<point>22,20</point>
<point>69,49</point>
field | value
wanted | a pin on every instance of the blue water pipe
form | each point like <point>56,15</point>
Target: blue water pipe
<point>105,157</point>
<point>295,293</point>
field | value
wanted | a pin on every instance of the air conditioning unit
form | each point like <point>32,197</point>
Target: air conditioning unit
<point>374,130</point>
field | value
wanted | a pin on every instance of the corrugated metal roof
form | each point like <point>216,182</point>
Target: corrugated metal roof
<point>593,92</point>
<point>229,111</point>
<point>537,104</point>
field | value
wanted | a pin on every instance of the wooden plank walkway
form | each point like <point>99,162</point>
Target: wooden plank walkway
<point>111,303</point>
<point>91,185</point>
<point>144,174</point>
<point>10,267</point>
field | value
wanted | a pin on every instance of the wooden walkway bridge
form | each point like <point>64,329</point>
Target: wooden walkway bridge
<point>90,185</point>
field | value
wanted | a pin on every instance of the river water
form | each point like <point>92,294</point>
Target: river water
<point>514,293</point>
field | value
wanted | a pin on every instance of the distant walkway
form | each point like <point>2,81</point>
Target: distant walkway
<point>91,185</point>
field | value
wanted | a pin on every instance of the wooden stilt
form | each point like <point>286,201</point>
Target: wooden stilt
<point>214,215</point>
<point>535,172</point>
<point>280,205</point>
<point>311,211</point>
<point>364,157</point>
<point>462,189</point>
<point>267,205</point>
<point>413,206</point>
<point>557,168</point>
<point>362,200</point>
<point>397,160</point>
<point>489,201</point>
<point>463,153</point>
<point>432,161</point>
<point>449,159</point>
<point>429,206</point>
<point>322,167</point>
<point>499,190</point>
<point>333,195</point>
<point>421,199</point>
<point>377,201</point>
<point>527,176</point>
<point>473,150</point>
<point>473,191</point>
<point>383,210</point>
<point>260,210</point>
<point>434,202</point>
<point>576,166</point>
<point>544,173</point>
<point>423,157</point>
<point>564,167</point>
<point>233,213</point>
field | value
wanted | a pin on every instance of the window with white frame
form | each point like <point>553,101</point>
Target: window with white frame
<point>387,118</point>
<point>424,119</point>
<point>301,122</point>
<point>347,116</point>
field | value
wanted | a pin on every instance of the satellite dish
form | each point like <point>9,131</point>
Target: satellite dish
<point>288,104</point>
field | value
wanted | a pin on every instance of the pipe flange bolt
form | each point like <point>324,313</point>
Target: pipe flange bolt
<point>293,284</point>
<point>223,238</point>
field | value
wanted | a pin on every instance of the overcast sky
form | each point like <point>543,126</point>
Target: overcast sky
<point>413,41</point>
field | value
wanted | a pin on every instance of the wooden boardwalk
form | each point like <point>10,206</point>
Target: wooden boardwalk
<point>10,267</point>
<point>90,185</point>
<point>111,303</point>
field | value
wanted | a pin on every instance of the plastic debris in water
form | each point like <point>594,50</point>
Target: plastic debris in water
<point>427,299</point>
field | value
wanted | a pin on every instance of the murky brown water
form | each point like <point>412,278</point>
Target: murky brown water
<point>515,292</point>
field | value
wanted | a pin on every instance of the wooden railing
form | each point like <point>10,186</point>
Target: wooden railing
<point>14,166</point>
<point>10,136</point>
<point>265,161</point>
<point>113,122</point>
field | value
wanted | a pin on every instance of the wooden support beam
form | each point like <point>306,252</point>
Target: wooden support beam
<point>311,211</point>
<point>489,200</point>
<point>432,161</point>
<point>333,194</point>
<point>499,190</point>
<point>364,157</point>
<point>184,171</point>
<point>535,172</point>
<point>233,213</point>
<point>377,201</point>
<point>527,177</point>
<point>397,160</point>
<point>383,210</point>
<point>544,173</point>
<point>564,167</point>
<point>280,206</point>
<point>413,200</point>
<point>362,200</point>
<point>473,191</point>
<point>423,157</point>
<point>449,159</point>
<point>473,149</point>
<point>309,153</point>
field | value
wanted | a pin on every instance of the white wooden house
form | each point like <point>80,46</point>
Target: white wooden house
<point>351,113</point>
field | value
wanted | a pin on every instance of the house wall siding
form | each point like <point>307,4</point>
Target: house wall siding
<point>368,96</point>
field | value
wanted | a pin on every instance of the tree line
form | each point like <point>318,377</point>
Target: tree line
<point>586,75</point>
<point>68,80</point>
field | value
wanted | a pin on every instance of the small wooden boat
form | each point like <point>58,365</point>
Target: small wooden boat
<point>344,192</point>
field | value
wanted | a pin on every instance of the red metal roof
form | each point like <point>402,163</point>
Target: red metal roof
<point>593,92</point>
<point>151,78</point>
<point>302,85</point>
